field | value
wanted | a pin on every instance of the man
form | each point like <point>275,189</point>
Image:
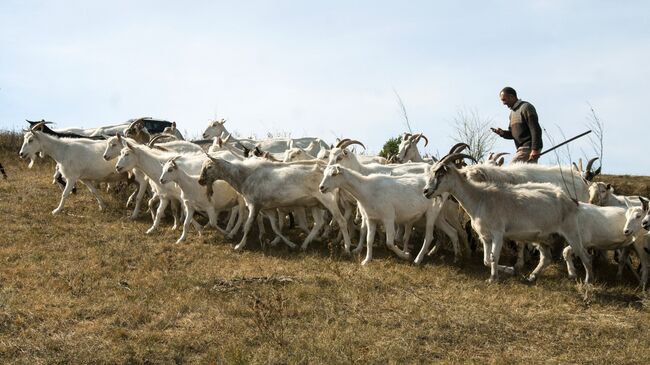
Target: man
<point>523,128</point>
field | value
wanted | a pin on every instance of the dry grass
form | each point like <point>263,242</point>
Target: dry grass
<point>91,287</point>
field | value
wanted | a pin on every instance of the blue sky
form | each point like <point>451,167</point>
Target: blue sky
<point>329,69</point>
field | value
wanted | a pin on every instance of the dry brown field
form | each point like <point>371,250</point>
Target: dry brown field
<point>89,287</point>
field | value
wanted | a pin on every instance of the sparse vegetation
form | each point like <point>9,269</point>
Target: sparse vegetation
<point>91,287</point>
<point>471,128</point>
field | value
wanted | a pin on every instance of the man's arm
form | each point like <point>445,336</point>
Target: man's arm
<point>503,133</point>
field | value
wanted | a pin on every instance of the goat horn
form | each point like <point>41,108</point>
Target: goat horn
<point>38,126</point>
<point>351,142</point>
<point>406,136</point>
<point>458,147</point>
<point>37,121</point>
<point>590,163</point>
<point>496,157</point>
<point>426,140</point>
<point>575,167</point>
<point>455,156</point>
<point>138,121</point>
<point>156,138</point>
<point>339,143</point>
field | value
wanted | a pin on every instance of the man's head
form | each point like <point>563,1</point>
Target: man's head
<point>508,96</point>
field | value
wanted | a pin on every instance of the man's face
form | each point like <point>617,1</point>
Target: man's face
<point>507,99</point>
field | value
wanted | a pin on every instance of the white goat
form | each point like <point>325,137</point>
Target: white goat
<point>610,228</point>
<point>195,197</point>
<point>602,194</point>
<point>77,159</point>
<point>173,131</point>
<point>267,186</point>
<point>388,200</point>
<point>564,177</point>
<point>634,227</point>
<point>342,156</point>
<point>297,154</point>
<point>149,161</point>
<point>276,145</point>
<point>408,148</point>
<point>529,212</point>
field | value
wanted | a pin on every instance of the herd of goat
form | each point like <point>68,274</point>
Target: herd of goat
<point>236,183</point>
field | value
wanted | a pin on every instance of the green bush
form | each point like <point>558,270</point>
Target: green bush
<point>390,147</point>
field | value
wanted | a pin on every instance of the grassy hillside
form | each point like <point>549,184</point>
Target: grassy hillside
<point>91,287</point>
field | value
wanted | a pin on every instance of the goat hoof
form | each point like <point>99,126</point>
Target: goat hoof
<point>492,280</point>
<point>239,247</point>
<point>56,211</point>
<point>365,262</point>
<point>408,256</point>
<point>573,276</point>
<point>531,278</point>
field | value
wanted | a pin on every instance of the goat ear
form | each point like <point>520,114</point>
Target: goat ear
<point>644,203</point>
<point>223,121</point>
<point>609,187</point>
<point>597,172</point>
<point>500,161</point>
<point>336,171</point>
<point>127,144</point>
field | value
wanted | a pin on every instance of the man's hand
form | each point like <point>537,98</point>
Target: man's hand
<point>498,131</point>
<point>534,155</point>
